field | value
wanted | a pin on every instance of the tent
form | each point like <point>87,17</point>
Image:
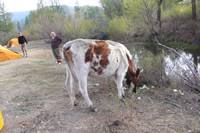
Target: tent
<point>13,42</point>
<point>6,54</point>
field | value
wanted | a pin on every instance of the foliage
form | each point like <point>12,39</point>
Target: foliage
<point>80,28</point>
<point>7,27</point>
<point>6,24</point>
<point>112,8</point>
<point>31,34</point>
<point>154,67</point>
<point>19,28</point>
<point>118,28</point>
<point>138,10</point>
<point>4,38</point>
<point>66,25</point>
<point>141,14</point>
<point>90,12</point>
<point>178,11</point>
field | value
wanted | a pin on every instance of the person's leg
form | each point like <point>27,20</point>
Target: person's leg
<point>57,55</point>
<point>22,46</point>
<point>25,49</point>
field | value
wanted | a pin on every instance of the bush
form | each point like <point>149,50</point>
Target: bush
<point>151,59</point>
<point>80,28</point>
<point>118,28</point>
<point>178,12</point>
<point>31,34</point>
<point>5,38</point>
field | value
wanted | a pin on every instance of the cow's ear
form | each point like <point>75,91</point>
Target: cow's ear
<point>138,72</point>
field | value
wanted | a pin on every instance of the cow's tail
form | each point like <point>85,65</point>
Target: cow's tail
<point>67,54</point>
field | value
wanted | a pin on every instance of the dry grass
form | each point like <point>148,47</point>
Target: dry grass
<point>33,99</point>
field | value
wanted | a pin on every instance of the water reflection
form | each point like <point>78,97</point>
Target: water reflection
<point>172,62</point>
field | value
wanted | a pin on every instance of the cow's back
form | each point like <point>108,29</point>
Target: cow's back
<point>102,58</point>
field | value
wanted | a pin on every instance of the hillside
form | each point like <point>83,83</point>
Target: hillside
<point>21,16</point>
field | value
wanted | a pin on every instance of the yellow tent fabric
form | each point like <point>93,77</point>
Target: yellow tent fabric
<point>6,54</point>
<point>13,42</point>
<point>1,121</point>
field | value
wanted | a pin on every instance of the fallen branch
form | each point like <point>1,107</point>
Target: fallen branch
<point>172,104</point>
<point>192,81</point>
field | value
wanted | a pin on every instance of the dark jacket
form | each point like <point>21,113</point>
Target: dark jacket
<point>55,43</point>
<point>22,40</point>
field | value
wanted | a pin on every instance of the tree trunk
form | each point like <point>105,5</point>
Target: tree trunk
<point>159,3</point>
<point>194,14</point>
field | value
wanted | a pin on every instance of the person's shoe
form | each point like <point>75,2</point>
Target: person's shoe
<point>59,61</point>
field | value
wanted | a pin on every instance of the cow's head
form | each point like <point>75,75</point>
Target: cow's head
<point>133,77</point>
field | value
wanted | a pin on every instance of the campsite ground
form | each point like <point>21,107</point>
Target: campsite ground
<point>33,99</point>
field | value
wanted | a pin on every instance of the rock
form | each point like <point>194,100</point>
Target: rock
<point>96,84</point>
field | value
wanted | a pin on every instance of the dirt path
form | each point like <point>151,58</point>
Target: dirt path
<point>33,99</point>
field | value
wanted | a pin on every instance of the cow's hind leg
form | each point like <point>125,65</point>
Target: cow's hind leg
<point>69,85</point>
<point>82,80</point>
<point>119,79</point>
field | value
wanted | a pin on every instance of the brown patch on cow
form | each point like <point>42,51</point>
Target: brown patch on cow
<point>68,56</point>
<point>89,53</point>
<point>130,67</point>
<point>95,63</point>
<point>101,49</point>
<point>99,70</point>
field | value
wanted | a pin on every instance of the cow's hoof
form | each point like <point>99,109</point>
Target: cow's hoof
<point>76,103</point>
<point>93,109</point>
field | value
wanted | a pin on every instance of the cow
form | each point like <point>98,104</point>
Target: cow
<point>103,58</point>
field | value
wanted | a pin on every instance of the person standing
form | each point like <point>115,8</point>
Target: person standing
<point>55,45</point>
<point>23,43</point>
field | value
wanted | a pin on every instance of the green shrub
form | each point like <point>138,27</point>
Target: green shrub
<point>80,28</point>
<point>5,38</point>
<point>31,34</point>
<point>118,28</point>
<point>151,59</point>
<point>177,12</point>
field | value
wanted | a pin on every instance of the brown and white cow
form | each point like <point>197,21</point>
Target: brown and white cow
<point>97,58</point>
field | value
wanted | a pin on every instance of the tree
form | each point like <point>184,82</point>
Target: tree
<point>77,9</point>
<point>19,26</point>
<point>194,15</point>
<point>5,18</point>
<point>141,12</point>
<point>159,3</point>
<point>27,22</point>
<point>40,4</point>
<point>112,8</point>
<point>57,7</point>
